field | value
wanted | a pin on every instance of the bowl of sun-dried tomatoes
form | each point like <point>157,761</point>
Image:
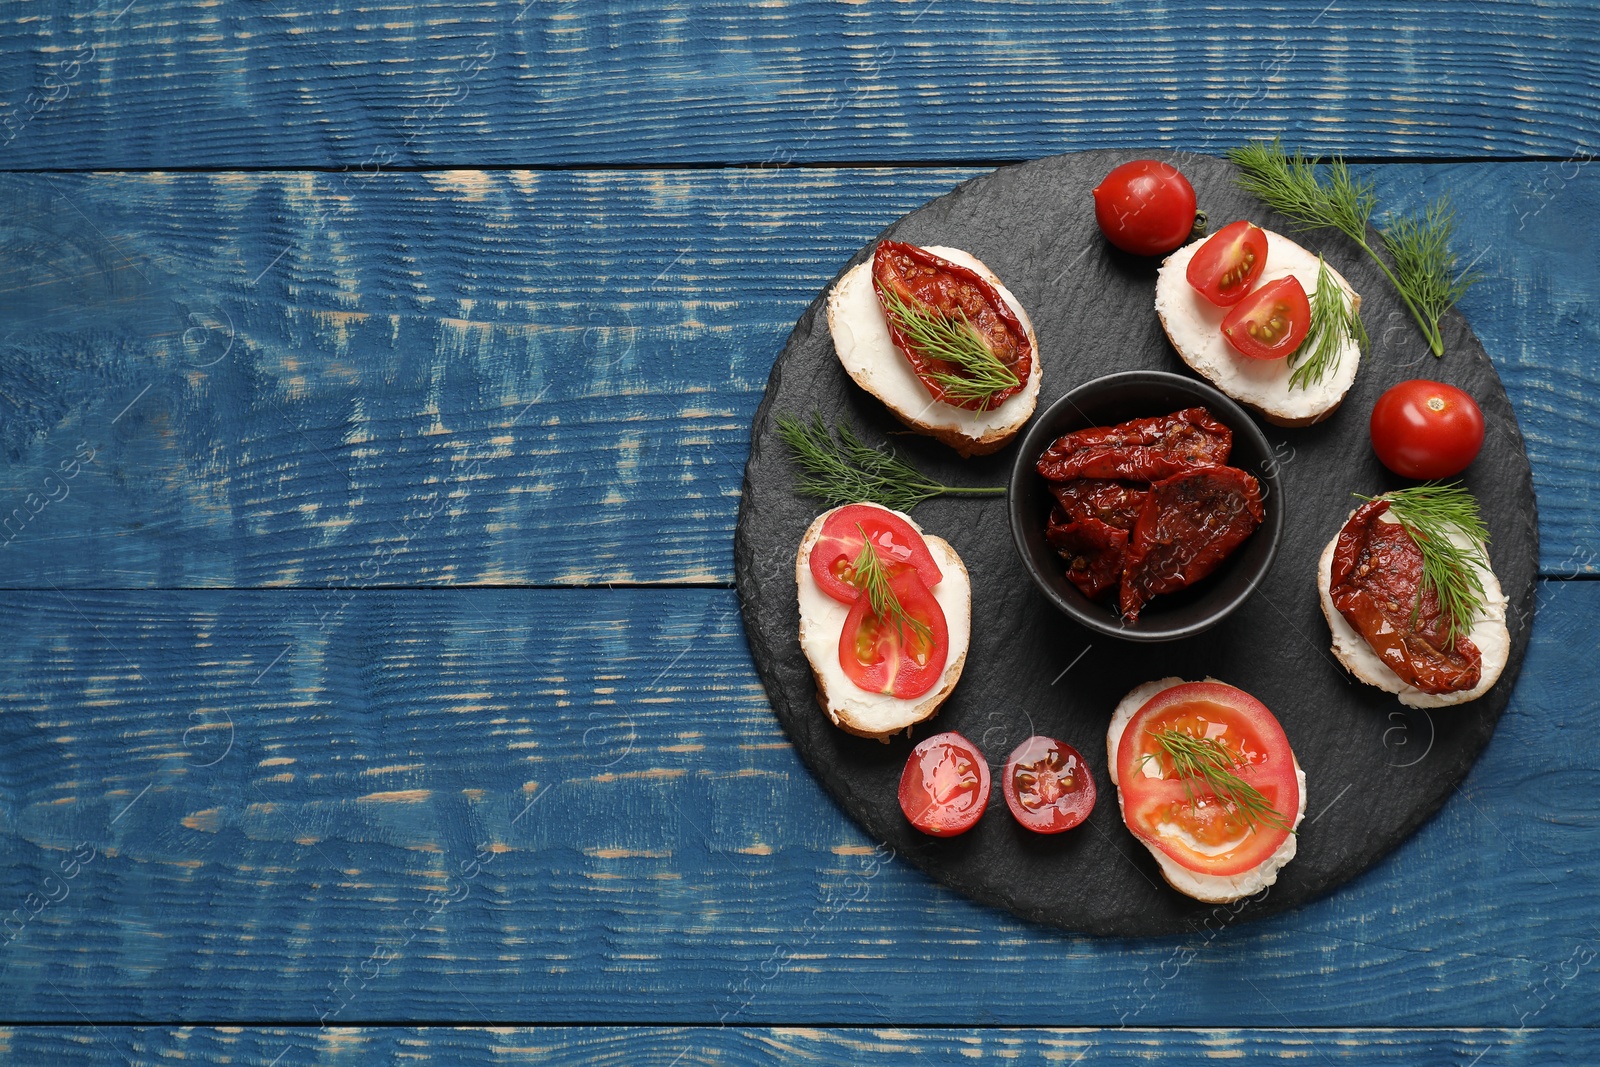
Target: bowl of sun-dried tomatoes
<point>1146,505</point>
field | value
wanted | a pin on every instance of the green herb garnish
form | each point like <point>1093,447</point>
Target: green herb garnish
<point>1437,516</point>
<point>1210,762</point>
<point>1334,320</point>
<point>838,468</point>
<point>1424,268</point>
<point>1290,186</point>
<point>1420,248</point>
<point>956,341</point>
<point>869,575</point>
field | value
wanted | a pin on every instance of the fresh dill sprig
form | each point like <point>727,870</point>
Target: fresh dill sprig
<point>1334,320</point>
<point>1424,268</point>
<point>838,468</point>
<point>869,575</point>
<point>1290,186</point>
<point>1420,249</point>
<point>1431,513</point>
<point>1206,760</point>
<point>956,341</point>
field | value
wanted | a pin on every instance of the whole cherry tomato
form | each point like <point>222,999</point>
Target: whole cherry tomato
<point>1145,207</point>
<point>1047,785</point>
<point>945,785</point>
<point>1423,429</point>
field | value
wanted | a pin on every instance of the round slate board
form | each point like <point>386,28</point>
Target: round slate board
<point>1375,770</point>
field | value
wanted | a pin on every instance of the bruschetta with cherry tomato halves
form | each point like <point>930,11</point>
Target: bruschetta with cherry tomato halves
<point>936,336</point>
<point>1206,780</point>
<point>1242,309</point>
<point>885,618</point>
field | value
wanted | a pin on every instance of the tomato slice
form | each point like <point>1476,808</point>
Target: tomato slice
<point>945,785</point>
<point>834,555</point>
<point>1047,785</point>
<point>1205,833</point>
<point>1270,322</point>
<point>1228,264</point>
<point>880,656</point>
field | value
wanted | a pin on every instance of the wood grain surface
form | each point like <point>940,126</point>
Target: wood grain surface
<point>576,806</point>
<point>164,83</point>
<point>417,379</point>
<point>84,1046</point>
<point>399,295</point>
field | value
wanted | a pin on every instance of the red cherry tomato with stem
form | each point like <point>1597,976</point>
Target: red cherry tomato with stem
<point>945,785</point>
<point>1225,268</point>
<point>1424,429</point>
<point>1145,207</point>
<point>1271,322</point>
<point>1047,785</point>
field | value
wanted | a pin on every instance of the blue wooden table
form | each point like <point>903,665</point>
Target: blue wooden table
<point>375,387</point>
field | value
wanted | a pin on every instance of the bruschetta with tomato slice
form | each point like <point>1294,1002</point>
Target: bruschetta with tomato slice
<point>1207,782</point>
<point>885,618</point>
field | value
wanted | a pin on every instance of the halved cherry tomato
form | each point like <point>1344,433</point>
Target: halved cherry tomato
<point>945,785</point>
<point>1145,207</point>
<point>834,555</point>
<point>1225,268</point>
<point>902,660</point>
<point>1270,322</point>
<point>1047,785</point>
<point>1423,429</point>
<point>1184,818</point>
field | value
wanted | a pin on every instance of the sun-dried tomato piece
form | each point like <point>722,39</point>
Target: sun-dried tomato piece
<point>1140,449</point>
<point>1093,551</point>
<point>1377,586</point>
<point>1114,503</point>
<point>927,282</point>
<point>1189,524</point>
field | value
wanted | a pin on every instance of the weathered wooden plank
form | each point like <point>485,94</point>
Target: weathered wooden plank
<point>303,379</point>
<point>439,371</point>
<point>175,82</point>
<point>575,806</point>
<point>83,1046</point>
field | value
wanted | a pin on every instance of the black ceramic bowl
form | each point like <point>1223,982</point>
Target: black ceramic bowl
<point>1104,402</point>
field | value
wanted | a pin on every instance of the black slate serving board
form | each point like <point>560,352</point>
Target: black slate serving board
<point>1375,770</point>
